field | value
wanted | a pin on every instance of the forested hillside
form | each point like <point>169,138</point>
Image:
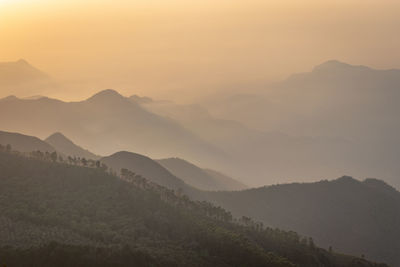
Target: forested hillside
<point>351,216</point>
<point>58,214</point>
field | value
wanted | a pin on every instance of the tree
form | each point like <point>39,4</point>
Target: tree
<point>8,148</point>
<point>54,156</point>
<point>124,173</point>
<point>104,167</point>
<point>84,162</point>
<point>311,243</point>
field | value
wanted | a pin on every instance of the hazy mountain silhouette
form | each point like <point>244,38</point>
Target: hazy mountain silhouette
<point>19,72</point>
<point>198,177</point>
<point>321,124</point>
<point>105,123</point>
<point>21,78</point>
<point>24,143</point>
<point>351,216</point>
<point>252,152</point>
<point>335,101</point>
<point>67,147</point>
<point>313,103</point>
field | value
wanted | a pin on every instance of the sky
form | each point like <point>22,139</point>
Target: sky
<point>183,49</point>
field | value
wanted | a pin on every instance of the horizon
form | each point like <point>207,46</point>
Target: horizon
<point>132,92</point>
<point>185,50</point>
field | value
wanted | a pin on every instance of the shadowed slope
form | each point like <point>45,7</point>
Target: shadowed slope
<point>351,216</point>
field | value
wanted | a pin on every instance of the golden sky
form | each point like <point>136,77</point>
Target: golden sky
<point>185,47</point>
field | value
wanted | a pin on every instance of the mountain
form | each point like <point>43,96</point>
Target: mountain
<point>55,214</point>
<point>19,72</point>
<point>198,177</point>
<point>143,166</point>
<point>24,143</point>
<point>141,99</point>
<point>359,218</point>
<point>67,147</point>
<point>19,77</point>
<point>334,102</point>
<point>323,95</point>
<point>105,123</point>
<point>252,152</point>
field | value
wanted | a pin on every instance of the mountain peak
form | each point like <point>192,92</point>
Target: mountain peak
<point>64,145</point>
<point>9,98</point>
<point>22,61</point>
<point>108,94</point>
<point>58,138</point>
<point>336,65</point>
<point>24,64</point>
<point>346,179</point>
<point>57,135</point>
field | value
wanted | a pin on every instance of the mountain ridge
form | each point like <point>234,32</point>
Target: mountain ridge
<point>102,117</point>
<point>349,215</point>
<point>67,147</point>
<point>24,143</point>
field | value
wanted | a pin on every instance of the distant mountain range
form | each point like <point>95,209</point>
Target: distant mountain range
<point>315,103</point>
<point>337,119</point>
<point>251,152</point>
<point>104,117</point>
<point>354,105</point>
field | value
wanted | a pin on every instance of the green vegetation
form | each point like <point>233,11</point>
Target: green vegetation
<point>353,217</point>
<point>58,214</point>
